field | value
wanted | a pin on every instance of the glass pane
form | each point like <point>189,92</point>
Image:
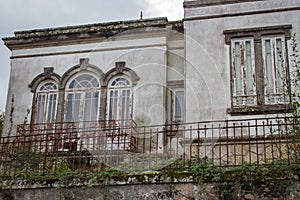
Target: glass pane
<point>91,106</point>
<point>119,102</point>
<point>52,108</point>
<point>48,86</point>
<point>72,84</point>
<point>269,70</point>
<point>94,105</point>
<point>237,68</point>
<point>84,81</point>
<point>40,111</point>
<point>87,107</point>
<point>113,105</point>
<point>120,82</point>
<point>46,104</point>
<point>179,105</point>
<point>280,73</point>
<point>73,107</point>
<point>82,100</point>
<point>125,105</point>
<point>249,67</point>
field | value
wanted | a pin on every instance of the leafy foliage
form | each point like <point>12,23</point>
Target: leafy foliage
<point>205,171</point>
<point>2,115</point>
<point>295,76</point>
<point>228,181</point>
<point>295,96</point>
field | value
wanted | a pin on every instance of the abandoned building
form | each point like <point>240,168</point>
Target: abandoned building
<point>227,61</point>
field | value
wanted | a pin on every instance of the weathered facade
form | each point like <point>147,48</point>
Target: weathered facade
<point>232,75</point>
<point>226,59</point>
<point>116,71</point>
<point>151,96</point>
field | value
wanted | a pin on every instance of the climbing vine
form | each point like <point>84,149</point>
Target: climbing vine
<point>2,115</point>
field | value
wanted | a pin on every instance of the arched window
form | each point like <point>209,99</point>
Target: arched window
<point>46,102</point>
<point>119,99</point>
<point>82,98</point>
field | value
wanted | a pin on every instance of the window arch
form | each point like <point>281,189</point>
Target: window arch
<point>46,102</point>
<point>119,99</point>
<point>82,98</point>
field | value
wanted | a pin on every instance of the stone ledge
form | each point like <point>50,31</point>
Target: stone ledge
<point>204,3</point>
<point>147,177</point>
<point>88,32</point>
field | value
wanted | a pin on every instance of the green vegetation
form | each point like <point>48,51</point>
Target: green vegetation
<point>2,115</point>
<point>295,94</point>
<point>228,181</point>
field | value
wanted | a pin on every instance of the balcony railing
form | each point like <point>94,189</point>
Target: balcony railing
<point>87,147</point>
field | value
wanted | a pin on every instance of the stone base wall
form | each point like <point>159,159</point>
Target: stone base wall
<point>159,191</point>
<point>238,152</point>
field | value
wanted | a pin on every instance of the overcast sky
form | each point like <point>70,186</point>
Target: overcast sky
<point>16,15</point>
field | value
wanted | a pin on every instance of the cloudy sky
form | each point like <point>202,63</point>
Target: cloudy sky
<point>16,15</point>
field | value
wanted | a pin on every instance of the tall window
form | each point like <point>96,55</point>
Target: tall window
<point>244,88</point>
<point>178,105</point>
<point>259,69</point>
<point>275,72</point>
<point>119,99</point>
<point>82,98</point>
<point>46,102</point>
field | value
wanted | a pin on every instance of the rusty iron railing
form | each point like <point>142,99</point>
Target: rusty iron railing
<point>88,147</point>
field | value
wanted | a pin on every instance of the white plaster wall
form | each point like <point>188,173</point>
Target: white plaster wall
<point>207,55</point>
<point>176,65</point>
<point>145,56</point>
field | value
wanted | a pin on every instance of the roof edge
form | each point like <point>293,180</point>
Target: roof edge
<point>85,32</point>
<point>204,3</point>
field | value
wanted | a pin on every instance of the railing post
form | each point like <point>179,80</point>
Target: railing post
<point>256,137</point>
<point>227,150</point>
<point>249,142</point>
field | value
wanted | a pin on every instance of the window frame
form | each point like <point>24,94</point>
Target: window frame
<point>257,34</point>
<point>47,95</point>
<point>82,92</point>
<point>119,109</point>
<point>173,87</point>
<point>174,108</point>
<point>241,93</point>
<point>278,85</point>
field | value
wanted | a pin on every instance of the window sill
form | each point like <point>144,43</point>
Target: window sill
<point>261,109</point>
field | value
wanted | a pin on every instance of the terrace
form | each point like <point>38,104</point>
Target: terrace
<point>91,147</point>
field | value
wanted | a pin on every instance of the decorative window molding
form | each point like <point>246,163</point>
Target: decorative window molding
<point>83,66</point>
<point>81,93</point>
<point>175,84</point>
<point>259,69</point>
<point>258,32</point>
<point>120,70</point>
<point>45,99</point>
<point>48,74</point>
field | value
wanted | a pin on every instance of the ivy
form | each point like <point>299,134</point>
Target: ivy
<point>2,115</point>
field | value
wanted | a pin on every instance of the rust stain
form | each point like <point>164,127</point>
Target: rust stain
<point>242,54</point>
<point>275,68</point>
